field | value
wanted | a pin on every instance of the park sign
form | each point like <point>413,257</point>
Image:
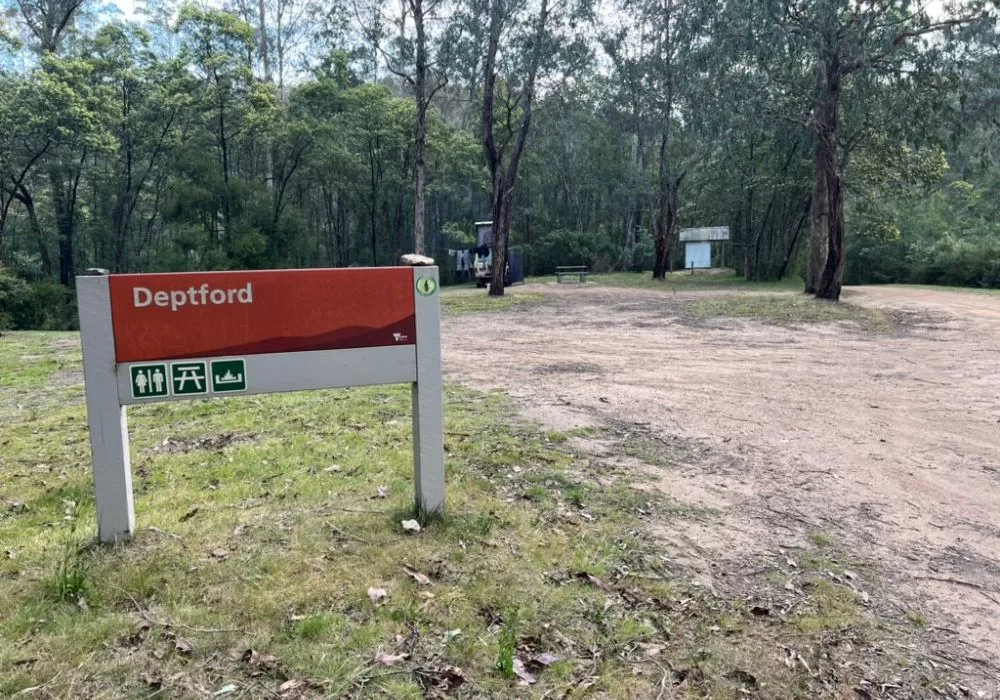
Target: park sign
<point>174,336</point>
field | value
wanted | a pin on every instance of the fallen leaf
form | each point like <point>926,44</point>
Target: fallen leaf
<point>11,553</point>
<point>410,526</point>
<point>590,578</point>
<point>259,663</point>
<point>865,598</point>
<point>239,529</point>
<point>152,677</point>
<point>791,562</point>
<point>377,594</point>
<point>291,686</point>
<point>224,690</point>
<point>332,469</point>
<point>742,677</point>
<point>17,506</point>
<point>190,514</point>
<point>81,603</point>
<point>443,679</point>
<point>521,672</point>
<point>546,659</point>
<point>850,574</point>
<point>650,649</point>
<point>183,646</point>
<point>390,659</point>
<point>451,634</point>
<point>417,576</point>
<point>382,492</point>
<point>220,553</point>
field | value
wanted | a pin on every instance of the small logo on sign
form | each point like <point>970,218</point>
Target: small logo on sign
<point>426,286</point>
<point>399,337</point>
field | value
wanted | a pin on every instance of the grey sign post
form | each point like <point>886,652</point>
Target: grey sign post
<point>105,413</point>
<point>428,407</point>
<point>111,386</point>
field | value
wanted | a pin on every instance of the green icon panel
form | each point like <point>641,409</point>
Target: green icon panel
<point>229,376</point>
<point>149,381</point>
<point>188,378</point>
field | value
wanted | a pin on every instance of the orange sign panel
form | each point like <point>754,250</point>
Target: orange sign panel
<point>214,314</point>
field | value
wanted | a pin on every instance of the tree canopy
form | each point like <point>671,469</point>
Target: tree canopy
<point>841,141</point>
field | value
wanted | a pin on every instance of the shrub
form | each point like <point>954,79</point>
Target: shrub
<point>14,297</point>
<point>563,247</point>
<point>45,305</point>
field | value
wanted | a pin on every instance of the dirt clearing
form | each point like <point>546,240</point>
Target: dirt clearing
<point>876,452</point>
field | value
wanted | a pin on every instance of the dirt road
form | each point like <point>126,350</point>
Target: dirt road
<point>886,444</point>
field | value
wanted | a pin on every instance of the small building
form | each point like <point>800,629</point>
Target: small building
<point>698,246</point>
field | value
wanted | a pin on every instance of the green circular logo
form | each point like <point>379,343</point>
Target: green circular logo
<point>426,286</point>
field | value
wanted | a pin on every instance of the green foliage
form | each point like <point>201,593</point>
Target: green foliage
<point>563,247</point>
<point>948,238</point>
<point>163,145</point>
<point>43,305</point>
<point>70,581</point>
<point>14,298</point>
<point>508,642</point>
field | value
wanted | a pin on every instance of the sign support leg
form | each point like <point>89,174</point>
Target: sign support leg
<point>428,406</point>
<point>105,414</point>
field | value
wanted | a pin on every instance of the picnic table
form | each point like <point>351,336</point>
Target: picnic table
<point>578,271</point>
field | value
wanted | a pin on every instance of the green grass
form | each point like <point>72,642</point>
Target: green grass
<point>464,301</point>
<point>679,281</point>
<point>830,607</point>
<point>968,290</point>
<point>820,539</point>
<point>788,309</point>
<point>254,541</point>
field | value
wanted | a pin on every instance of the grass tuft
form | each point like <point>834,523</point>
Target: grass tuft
<point>507,644</point>
<point>789,309</point>
<point>69,583</point>
<point>464,301</point>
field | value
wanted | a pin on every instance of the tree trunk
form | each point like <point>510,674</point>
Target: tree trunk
<point>820,212</point>
<point>832,270</point>
<point>420,145</point>
<point>503,170</point>
<point>499,244</point>
<point>265,58</point>
<point>121,221</point>
<point>662,223</point>
<point>63,203</point>
<point>25,198</point>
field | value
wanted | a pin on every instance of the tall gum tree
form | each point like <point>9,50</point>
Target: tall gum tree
<point>524,42</point>
<point>850,43</point>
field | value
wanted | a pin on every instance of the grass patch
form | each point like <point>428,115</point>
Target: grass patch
<point>266,538</point>
<point>916,619</point>
<point>942,288</point>
<point>681,280</point>
<point>820,539</point>
<point>830,607</point>
<point>478,301</point>
<point>789,309</point>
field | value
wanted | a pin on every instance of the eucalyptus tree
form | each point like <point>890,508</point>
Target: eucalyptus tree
<point>858,54</point>
<point>525,41</point>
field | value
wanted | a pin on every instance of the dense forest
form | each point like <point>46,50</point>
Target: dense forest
<point>842,141</point>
